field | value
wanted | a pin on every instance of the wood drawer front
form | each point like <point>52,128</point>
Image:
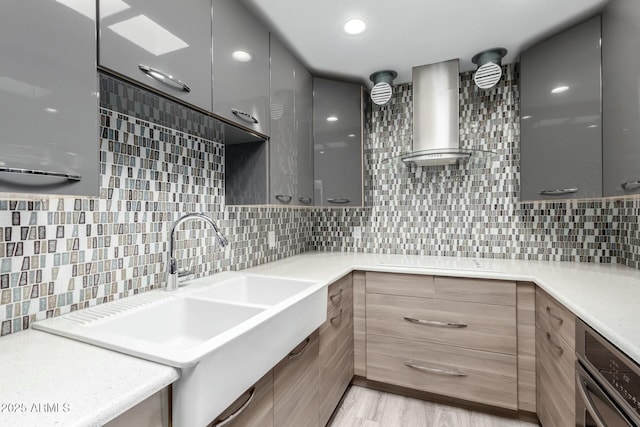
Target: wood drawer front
<point>550,314</point>
<point>491,378</point>
<point>258,413</point>
<point>295,387</point>
<point>336,334</point>
<point>340,293</point>
<point>335,377</point>
<point>555,380</point>
<point>400,284</point>
<point>489,327</point>
<point>485,291</point>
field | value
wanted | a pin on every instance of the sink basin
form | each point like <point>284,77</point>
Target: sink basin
<point>223,333</point>
<point>260,290</point>
<point>180,323</point>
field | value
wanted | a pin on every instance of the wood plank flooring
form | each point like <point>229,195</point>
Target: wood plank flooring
<point>363,407</point>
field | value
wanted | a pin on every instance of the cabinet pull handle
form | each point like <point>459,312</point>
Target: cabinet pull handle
<point>555,316</point>
<point>338,201</point>
<point>305,200</point>
<point>337,295</point>
<point>244,116</point>
<point>337,316</point>
<point>241,409</point>
<point>283,199</point>
<point>558,191</point>
<point>163,77</point>
<point>630,185</point>
<point>69,177</point>
<point>436,323</point>
<point>559,349</point>
<point>293,355</point>
<point>439,371</point>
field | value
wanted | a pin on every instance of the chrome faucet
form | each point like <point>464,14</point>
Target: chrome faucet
<point>173,274</point>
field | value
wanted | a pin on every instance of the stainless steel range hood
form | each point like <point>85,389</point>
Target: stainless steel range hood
<point>436,115</point>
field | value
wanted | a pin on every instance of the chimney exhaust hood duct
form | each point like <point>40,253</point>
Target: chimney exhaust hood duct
<point>436,115</point>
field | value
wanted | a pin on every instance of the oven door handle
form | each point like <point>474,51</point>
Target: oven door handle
<point>584,393</point>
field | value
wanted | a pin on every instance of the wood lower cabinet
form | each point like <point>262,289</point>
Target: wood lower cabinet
<point>154,411</point>
<point>451,336</point>
<point>254,408</point>
<point>555,362</point>
<point>295,386</point>
<point>336,347</point>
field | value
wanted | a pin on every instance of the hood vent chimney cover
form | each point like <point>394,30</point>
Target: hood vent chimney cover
<point>382,88</point>
<point>489,69</point>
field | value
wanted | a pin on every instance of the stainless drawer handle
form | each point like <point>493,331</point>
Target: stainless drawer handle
<point>558,191</point>
<point>283,199</point>
<point>69,177</point>
<point>630,185</point>
<point>338,201</point>
<point>293,355</point>
<point>244,116</point>
<point>337,316</point>
<point>241,409</point>
<point>559,349</point>
<point>436,323</point>
<point>555,316</point>
<point>439,371</point>
<point>163,77</point>
<point>305,200</point>
<point>336,296</point>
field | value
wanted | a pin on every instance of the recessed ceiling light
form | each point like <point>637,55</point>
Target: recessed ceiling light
<point>354,26</point>
<point>560,89</point>
<point>332,119</point>
<point>241,56</point>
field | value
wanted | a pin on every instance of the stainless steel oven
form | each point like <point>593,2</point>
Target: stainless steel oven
<point>607,383</point>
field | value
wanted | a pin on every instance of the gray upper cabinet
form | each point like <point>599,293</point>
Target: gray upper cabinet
<point>164,45</point>
<point>48,98</point>
<point>240,66</point>
<point>561,134</point>
<point>337,135</point>
<point>291,150</point>
<point>621,97</point>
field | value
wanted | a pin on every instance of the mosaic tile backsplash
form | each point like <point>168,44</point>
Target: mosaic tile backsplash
<point>159,160</point>
<point>470,210</point>
<point>64,254</point>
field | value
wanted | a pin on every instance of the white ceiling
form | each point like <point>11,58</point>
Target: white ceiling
<point>407,33</point>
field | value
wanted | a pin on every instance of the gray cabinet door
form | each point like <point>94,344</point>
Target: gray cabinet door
<point>170,40</point>
<point>621,97</point>
<point>337,135</point>
<point>291,151</point>
<point>304,131</point>
<point>240,83</point>
<point>48,97</point>
<point>560,107</point>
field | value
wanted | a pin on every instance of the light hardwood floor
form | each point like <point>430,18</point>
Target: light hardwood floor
<point>363,407</point>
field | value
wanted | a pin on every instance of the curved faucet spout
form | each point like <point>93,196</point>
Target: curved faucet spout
<point>172,273</point>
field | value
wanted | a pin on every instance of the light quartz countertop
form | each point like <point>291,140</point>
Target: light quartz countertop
<point>95,385</point>
<point>605,296</point>
<point>47,380</point>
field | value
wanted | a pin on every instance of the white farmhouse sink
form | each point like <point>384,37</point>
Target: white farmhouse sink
<point>223,334</point>
<point>259,290</point>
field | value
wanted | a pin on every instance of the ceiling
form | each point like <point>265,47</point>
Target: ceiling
<point>402,34</point>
